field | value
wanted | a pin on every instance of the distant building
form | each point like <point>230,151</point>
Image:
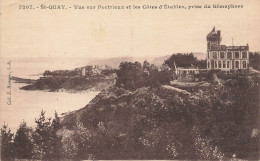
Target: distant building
<point>224,57</point>
<point>90,70</point>
<point>80,72</point>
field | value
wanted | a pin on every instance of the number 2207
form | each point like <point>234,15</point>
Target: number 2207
<point>25,7</point>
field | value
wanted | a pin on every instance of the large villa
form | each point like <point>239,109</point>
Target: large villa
<point>229,59</point>
<point>226,58</point>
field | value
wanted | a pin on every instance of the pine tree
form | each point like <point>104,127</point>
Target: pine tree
<point>6,143</point>
<point>56,143</point>
<point>23,146</point>
<point>42,137</point>
<point>56,125</point>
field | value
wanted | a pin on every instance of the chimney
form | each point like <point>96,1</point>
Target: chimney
<point>218,32</point>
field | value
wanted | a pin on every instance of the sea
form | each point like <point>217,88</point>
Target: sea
<point>22,105</point>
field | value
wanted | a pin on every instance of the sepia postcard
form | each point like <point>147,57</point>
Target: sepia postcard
<point>129,80</point>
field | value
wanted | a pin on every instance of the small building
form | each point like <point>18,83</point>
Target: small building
<point>89,70</point>
<point>79,72</point>
<point>187,74</point>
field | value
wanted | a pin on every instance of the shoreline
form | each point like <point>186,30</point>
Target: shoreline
<point>30,103</point>
<point>68,85</point>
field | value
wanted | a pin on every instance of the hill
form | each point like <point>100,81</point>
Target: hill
<point>163,122</point>
<point>156,60</point>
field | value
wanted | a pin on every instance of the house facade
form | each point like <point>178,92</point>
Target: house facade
<point>188,74</point>
<point>224,57</point>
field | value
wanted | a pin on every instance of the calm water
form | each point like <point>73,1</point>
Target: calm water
<point>27,105</point>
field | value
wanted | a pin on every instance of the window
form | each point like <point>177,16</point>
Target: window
<point>214,55</point>
<point>227,64</point>
<point>229,55</point>
<point>222,55</point>
<point>216,64</point>
<point>236,54</point>
<point>244,64</point>
<point>208,64</point>
<point>244,55</point>
<point>219,64</point>
<point>237,64</point>
<point>224,64</point>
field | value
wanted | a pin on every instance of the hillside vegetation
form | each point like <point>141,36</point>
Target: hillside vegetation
<point>70,84</point>
<point>146,116</point>
<point>161,122</point>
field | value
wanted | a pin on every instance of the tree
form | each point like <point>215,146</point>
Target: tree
<point>47,72</point>
<point>42,138</point>
<point>254,60</point>
<point>130,75</point>
<point>227,113</point>
<point>134,75</point>
<point>181,60</point>
<point>23,146</point>
<point>149,73</point>
<point>201,63</point>
<point>78,145</point>
<point>56,125</point>
<point>56,140</point>
<point>7,150</point>
<point>164,76</point>
<point>46,141</point>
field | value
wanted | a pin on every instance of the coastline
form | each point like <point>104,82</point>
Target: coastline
<point>27,104</point>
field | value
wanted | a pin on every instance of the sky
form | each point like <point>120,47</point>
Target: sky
<point>116,33</point>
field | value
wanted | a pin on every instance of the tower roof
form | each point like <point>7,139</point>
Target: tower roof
<point>212,34</point>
